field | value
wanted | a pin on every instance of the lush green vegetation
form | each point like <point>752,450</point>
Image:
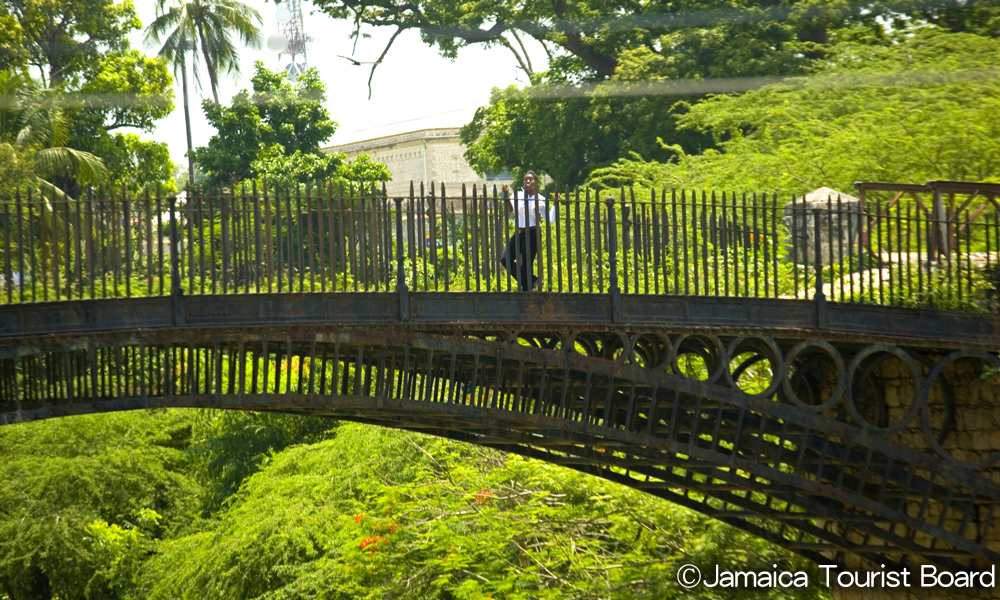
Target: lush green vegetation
<point>915,107</point>
<point>185,504</point>
<point>273,136</point>
<point>88,85</point>
<point>73,88</point>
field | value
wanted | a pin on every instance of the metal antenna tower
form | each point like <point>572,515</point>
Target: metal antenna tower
<point>292,37</point>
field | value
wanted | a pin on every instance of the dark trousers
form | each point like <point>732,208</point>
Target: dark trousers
<point>519,257</point>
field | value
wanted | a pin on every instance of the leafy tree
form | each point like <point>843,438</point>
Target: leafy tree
<point>981,17</point>
<point>63,37</point>
<point>568,137</point>
<point>83,499</point>
<point>587,110</point>
<point>376,513</point>
<point>912,110</point>
<point>208,27</point>
<point>586,37</point>
<point>584,112</point>
<point>124,89</point>
<point>182,29</point>
<point>274,133</point>
<point>81,49</point>
<point>135,164</point>
<point>17,172</point>
<point>13,54</point>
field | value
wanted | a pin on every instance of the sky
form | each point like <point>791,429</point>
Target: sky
<point>414,88</point>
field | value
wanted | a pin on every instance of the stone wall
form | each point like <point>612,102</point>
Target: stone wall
<point>964,419</point>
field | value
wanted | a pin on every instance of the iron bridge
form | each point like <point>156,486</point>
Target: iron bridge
<point>834,424</point>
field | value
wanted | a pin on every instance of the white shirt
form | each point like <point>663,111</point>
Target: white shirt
<point>535,204</point>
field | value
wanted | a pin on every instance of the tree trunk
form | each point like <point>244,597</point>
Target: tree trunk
<point>187,124</point>
<point>212,75</point>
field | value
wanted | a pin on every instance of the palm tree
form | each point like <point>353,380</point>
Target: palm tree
<point>33,124</point>
<point>208,26</point>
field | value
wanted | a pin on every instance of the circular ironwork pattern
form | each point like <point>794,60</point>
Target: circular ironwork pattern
<point>925,391</point>
<point>812,353</point>
<point>812,375</point>
<point>858,370</point>
<point>761,349</point>
<point>707,347</point>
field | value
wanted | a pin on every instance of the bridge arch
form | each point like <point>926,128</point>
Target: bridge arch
<point>814,476</point>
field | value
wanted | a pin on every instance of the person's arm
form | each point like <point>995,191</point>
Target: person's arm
<point>506,196</point>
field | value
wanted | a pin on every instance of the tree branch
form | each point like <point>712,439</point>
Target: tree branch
<point>384,52</point>
<point>602,63</point>
<point>523,51</point>
<point>520,60</point>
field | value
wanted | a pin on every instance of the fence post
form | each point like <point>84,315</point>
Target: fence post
<point>401,289</point>
<point>175,267</point>
<point>614,290</point>
<point>822,319</point>
<point>942,226</point>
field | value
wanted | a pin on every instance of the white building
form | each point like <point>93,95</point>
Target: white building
<point>427,155</point>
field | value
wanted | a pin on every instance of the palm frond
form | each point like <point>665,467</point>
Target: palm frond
<point>87,168</point>
<point>42,119</point>
<point>49,190</point>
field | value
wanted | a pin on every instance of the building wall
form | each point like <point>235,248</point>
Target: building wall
<point>426,156</point>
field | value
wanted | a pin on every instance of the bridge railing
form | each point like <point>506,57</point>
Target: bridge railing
<point>675,242</point>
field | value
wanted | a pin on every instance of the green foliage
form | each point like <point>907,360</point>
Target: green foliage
<point>17,172</point>
<point>135,164</point>
<point>125,89</point>
<point>364,172</point>
<point>621,106</point>
<point>98,84</point>
<point>118,553</point>
<point>375,513</point>
<point>285,169</point>
<point>912,110</point>
<point>274,134</point>
<point>81,499</point>
<point>941,286</point>
<point>13,54</point>
<point>517,132</point>
<point>230,446</point>
<point>292,113</point>
<point>64,38</point>
<point>33,125</point>
<point>706,38</point>
<point>981,18</point>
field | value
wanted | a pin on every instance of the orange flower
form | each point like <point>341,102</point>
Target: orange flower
<point>374,541</point>
<point>483,496</point>
<point>358,517</point>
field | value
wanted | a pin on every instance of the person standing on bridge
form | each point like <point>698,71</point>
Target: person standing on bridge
<point>522,247</point>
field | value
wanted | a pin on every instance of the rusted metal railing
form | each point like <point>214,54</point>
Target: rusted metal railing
<point>678,242</point>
